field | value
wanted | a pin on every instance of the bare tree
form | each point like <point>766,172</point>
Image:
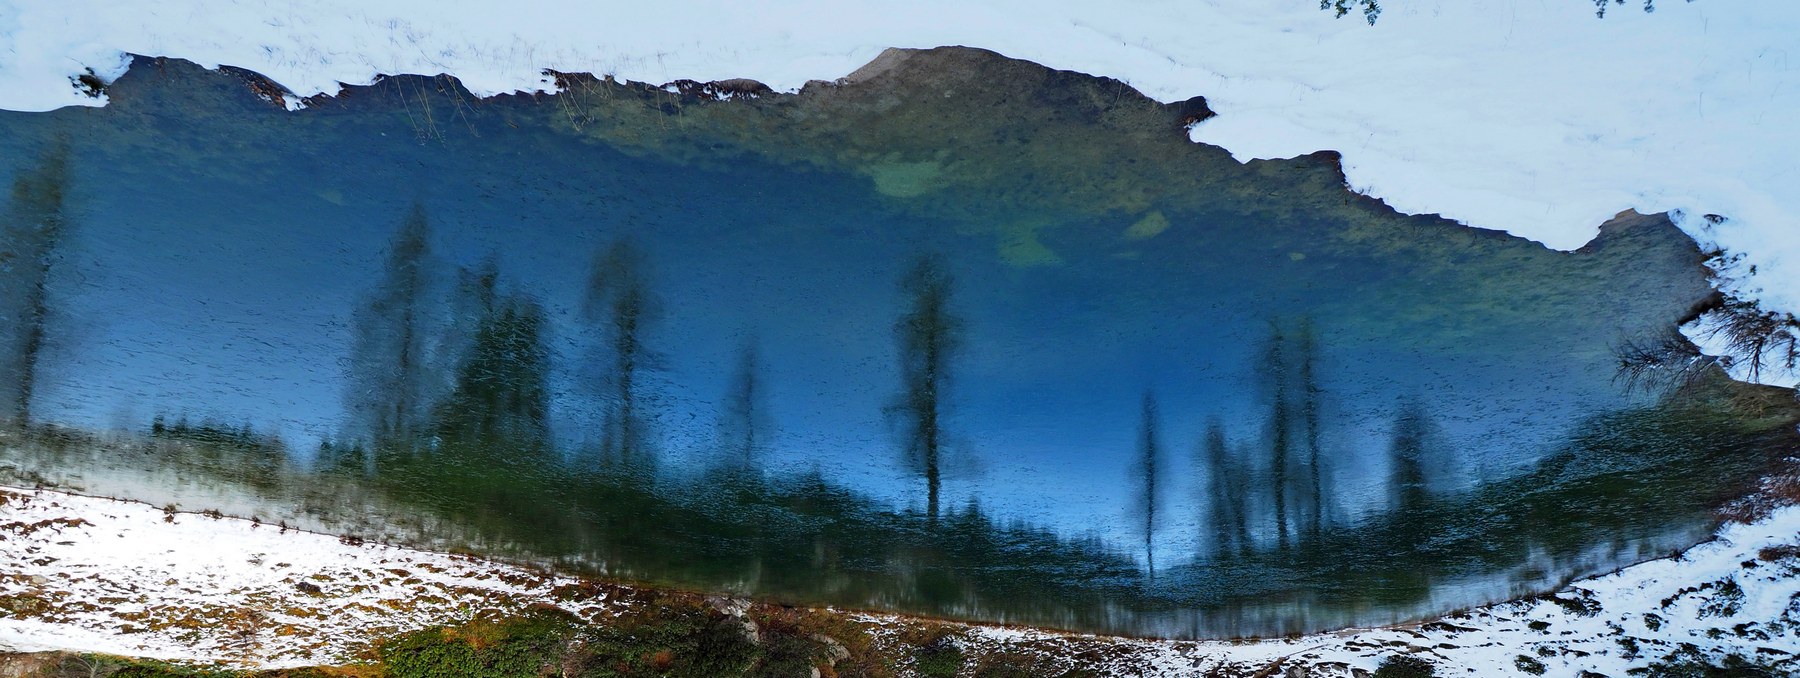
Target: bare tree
<point>929,335</point>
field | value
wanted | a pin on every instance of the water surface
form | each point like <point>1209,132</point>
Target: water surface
<point>959,335</point>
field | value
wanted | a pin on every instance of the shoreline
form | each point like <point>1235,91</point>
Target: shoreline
<point>309,599</point>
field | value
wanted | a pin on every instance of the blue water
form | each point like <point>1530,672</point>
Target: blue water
<point>221,249</point>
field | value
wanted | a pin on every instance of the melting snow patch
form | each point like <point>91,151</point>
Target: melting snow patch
<point>81,573</point>
<point>90,574</point>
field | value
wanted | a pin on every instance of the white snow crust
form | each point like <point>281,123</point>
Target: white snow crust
<point>1531,117</point>
<point>127,578</point>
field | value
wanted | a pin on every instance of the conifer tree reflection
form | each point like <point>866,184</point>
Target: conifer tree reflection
<point>741,424</point>
<point>620,301</point>
<point>1149,484</point>
<point>1665,363</point>
<point>929,335</point>
<point>1226,494</point>
<point>392,371</point>
<point>36,222</point>
<point>1287,374</point>
<point>1272,372</point>
<point>1316,496</point>
<point>501,393</point>
<point>1408,480</point>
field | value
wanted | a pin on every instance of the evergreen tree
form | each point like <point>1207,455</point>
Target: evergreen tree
<point>929,335</point>
<point>336,456</point>
<point>1371,9</point>
<point>37,220</point>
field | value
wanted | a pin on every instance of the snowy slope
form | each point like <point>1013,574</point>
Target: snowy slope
<point>126,578</point>
<point>93,574</point>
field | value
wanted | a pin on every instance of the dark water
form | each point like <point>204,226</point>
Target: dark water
<point>963,337</point>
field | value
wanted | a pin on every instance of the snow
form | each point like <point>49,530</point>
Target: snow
<point>1530,117</point>
<point>1607,625</point>
<point>128,578</point>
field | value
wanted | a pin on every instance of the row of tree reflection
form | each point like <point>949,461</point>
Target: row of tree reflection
<point>451,413</point>
<point>463,376</point>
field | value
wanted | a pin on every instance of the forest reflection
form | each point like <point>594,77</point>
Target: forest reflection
<point>805,411</point>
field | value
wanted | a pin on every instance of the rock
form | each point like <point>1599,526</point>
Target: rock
<point>22,665</point>
<point>835,649</point>
<point>737,608</point>
<point>23,605</point>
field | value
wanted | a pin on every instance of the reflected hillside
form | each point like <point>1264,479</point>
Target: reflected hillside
<point>1018,353</point>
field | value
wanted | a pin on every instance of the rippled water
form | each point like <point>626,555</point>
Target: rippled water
<point>962,336</point>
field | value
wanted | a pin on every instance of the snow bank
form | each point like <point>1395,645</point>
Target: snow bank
<point>91,574</point>
<point>117,577</point>
<point>1535,118</point>
<point>1738,594</point>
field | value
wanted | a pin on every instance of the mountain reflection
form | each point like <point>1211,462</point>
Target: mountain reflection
<point>1245,415</point>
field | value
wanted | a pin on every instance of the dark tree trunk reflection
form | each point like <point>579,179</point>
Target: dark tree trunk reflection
<point>36,221</point>
<point>929,335</point>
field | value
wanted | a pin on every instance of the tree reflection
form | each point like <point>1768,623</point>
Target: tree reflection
<point>501,393</point>
<point>1226,493</point>
<point>1149,481</point>
<point>1409,486</point>
<point>1272,373</point>
<point>619,300</point>
<point>393,373</point>
<point>929,335</point>
<point>1315,497</point>
<point>37,220</point>
<point>742,425</point>
<point>492,468</point>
